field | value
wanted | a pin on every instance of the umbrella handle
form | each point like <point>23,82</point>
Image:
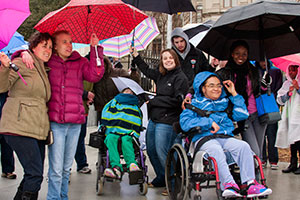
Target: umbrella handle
<point>97,57</point>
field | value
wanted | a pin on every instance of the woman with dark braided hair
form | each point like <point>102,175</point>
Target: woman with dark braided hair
<point>249,84</point>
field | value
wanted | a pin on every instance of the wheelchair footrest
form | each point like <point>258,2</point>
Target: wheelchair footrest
<point>136,177</point>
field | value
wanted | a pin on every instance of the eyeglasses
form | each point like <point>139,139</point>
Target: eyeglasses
<point>211,86</point>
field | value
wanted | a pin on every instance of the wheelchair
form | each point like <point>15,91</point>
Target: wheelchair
<point>97,141</point>
<point>188,171</point>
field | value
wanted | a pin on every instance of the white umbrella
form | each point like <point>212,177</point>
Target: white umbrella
<point>122,83</point>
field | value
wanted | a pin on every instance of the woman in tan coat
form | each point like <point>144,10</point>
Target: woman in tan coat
<point>25,122</point>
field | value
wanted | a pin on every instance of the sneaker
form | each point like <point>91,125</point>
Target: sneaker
<point>165,192</point>
<point>231,190</point>
<point>256,190</point>
<point>264,164</point>
<point>9,175</point>
<point>134,167</point>
<point>108,172</point>
<point>85,170</point>
<point>274,166</point>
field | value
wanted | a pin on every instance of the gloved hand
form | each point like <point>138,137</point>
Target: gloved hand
<point>266,79</point>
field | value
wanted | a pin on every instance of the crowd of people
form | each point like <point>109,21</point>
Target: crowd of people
<point>61,85</point>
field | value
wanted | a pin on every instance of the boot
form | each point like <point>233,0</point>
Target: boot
<point>292,167</point>
<point>297,171</point>
<point>29,195</point>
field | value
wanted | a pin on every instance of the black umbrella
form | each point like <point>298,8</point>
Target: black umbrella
<point>164,6</point>
<point>271,29</point>
<point>196,32</point>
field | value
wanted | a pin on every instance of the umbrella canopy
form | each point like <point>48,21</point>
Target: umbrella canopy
<point>106,18</point>
<point>271,29</point>
<point>163,6</point>
<point>142,36</point>
<point>122,83</point>
<point>196,32</point>
<point>16,42</point>
<point>284,61</point>
<point>12,15</point>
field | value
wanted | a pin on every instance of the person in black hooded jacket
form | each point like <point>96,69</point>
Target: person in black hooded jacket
<point>164,108</point>
<point>192,60</point>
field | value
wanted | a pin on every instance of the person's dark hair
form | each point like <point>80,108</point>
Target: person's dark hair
<point>174,37</point>
<point>269,64</point>
<point>239,72</point>
<point>237,43</point>
<point>37,38</point>
<point>294,66</point>
<point>204,83</point>
<point>107,67</point>
<point>162,69</point>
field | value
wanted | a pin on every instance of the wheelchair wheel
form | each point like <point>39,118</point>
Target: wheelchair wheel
<point>143,188</point>
<point>177,173</point>
<point>100,178</point>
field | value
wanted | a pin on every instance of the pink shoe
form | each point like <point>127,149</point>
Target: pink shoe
<point>256,190</point>
<point>134,167</point>
<point>231,190</point>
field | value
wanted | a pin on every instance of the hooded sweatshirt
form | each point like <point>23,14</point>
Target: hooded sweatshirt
<point>190,119</point>
<point>122,115</point>
<point>192,60</point>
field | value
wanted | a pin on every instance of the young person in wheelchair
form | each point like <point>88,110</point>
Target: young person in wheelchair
<point>122,117</point>
<point>216,132</point>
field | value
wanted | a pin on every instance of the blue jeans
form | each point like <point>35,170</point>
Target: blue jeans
<point>31,154</point>
<point>159,139</point>
<point>272,150</point>
<point>61,155</point>
<point>80,156</point>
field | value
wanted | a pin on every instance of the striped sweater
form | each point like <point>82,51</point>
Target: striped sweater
<point>122,115</point>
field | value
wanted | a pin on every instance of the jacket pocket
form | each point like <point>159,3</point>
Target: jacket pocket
<point>30,116</point>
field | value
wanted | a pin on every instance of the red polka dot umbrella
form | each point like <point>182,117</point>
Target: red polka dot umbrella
<point>106,18</point>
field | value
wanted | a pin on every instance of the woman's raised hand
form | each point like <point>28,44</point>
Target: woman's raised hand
<point>94,40</point>
<point>4,59</point>
<point>230,87</point>
<point>133,51</point>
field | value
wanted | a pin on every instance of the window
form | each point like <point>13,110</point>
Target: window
<point>234,3</point>
<point>230,3</point>
<point>226,3</point>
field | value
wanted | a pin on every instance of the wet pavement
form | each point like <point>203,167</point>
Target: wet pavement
<point>82,186</point>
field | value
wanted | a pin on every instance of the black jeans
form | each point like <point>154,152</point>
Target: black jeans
<point>80,156</point>
<point>31,154</point>
<point>271,132</point>
<point>294,149</point>
<point>7,157</point>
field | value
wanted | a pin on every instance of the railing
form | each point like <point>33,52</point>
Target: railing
<point>152,59</point>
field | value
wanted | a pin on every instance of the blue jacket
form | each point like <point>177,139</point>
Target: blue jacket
<point>122,115</point>
<point>190,119</point>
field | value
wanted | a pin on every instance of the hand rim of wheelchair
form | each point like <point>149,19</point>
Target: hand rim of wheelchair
<point>181,176</point>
